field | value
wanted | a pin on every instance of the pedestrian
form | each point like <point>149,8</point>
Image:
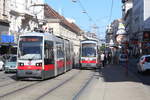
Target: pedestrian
<point>106,58</point>
<point>103,59</point>
<point>109,58</point>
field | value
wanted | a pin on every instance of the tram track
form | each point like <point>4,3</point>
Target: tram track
<point>59,85</point>
<point>34,84</point>
<point>17,90</point>
<point>71,87</point>
<point>2,78</point>
<point>83,88</point>
<point>7,84</point>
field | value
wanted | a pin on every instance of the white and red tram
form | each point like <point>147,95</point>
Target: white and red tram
<point>43,55</point>
<point>89,57</point>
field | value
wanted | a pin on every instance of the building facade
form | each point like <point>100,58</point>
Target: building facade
<point>5,38</point>
<point>137,21</point>
<point>141,25</point>
<point>25,15</point>
<point>4,16</point>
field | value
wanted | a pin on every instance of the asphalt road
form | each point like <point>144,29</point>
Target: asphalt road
<point>143,77</point>
<point>67,86</point>
<point>74,85</point>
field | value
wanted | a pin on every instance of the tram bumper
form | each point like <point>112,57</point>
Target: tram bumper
<point>87,65</point>
<point>29,73</point>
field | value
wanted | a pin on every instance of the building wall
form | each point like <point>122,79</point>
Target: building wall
<point>4,29</point>
<point>127,5</point>
<point>23,16</point>
<point>137,15</point>
<point>146,14</point>
<point>61,31</point>
<point>4,9</point>
<point>4,16</point>
<point>141,23</point>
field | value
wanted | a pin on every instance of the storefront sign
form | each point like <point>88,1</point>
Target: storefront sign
<point>6,38</point>
<point>146,36</point>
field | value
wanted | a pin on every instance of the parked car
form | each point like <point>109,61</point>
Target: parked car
<point>10,64</point>
<point>143,63</point>
<point>1,65</point>
<point>123,58</point>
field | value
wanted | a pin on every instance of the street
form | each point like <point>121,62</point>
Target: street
<point>108,83</point>
<point>74,50</point>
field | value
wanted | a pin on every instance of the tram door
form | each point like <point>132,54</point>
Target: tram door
<point>67,55</point>
<point>48,59</point>
<point>60,61</point>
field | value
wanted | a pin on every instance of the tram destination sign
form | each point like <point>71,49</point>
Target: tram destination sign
<point>31,39</point>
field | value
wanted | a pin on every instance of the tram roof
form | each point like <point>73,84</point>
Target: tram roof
<point>89,41</point>
<point>47,36</point>
<point>35,34</point>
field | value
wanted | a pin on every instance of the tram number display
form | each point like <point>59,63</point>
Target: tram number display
<point>31,39</point>
<point>88,45</point>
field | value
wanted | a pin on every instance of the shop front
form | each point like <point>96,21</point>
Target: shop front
<point>146,42</point>
<point>7,45</point>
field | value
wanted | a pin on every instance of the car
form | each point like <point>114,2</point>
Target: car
<point>10,64</point>
<point>1,65</point>
<point>143,63</point>
<point>123,58</point>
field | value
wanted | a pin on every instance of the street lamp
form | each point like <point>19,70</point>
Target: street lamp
<point>83,11</point>
<point>74,0</point>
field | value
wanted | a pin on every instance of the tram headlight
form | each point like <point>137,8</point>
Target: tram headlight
<point>21,64</point>
<point>38,64</point>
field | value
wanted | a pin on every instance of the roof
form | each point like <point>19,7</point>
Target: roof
<point>50,13</point>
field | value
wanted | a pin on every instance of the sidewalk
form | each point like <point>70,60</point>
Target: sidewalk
<point>113,84</point>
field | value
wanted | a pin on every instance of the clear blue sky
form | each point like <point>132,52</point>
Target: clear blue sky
<point>98,10</point>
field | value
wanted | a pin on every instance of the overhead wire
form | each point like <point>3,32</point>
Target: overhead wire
<point>85,11</point>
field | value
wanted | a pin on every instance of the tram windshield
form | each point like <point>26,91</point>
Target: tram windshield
<point>88,50</point>
<point>30,47</point>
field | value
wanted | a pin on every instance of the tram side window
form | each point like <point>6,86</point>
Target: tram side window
<point>48,52</point>
<point>67,53</point>
<point>60,51</point>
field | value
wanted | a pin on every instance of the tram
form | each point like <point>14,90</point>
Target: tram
<point>43,55</point>
<point>89,57</point>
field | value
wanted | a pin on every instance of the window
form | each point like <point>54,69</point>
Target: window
<point>30,47</point>
<point>48,53</point>
<point>147,59</point>
<point>60,50</point>
<point>88,50</point>
<point>67,50</point>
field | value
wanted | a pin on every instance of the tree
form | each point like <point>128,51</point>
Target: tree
<point>102,48</point>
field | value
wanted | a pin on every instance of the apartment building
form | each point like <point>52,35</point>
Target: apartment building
<point>25,15</point>
<point>141,24</point>
<point>4,16</point>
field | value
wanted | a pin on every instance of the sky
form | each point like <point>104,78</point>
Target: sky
<point>98,13</point>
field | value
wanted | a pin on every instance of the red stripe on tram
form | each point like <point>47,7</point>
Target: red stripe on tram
<point>30,67</point>
<point>49,67</point>
<point>68,62</point>
<point>60,63</point>
<point>84,61</point>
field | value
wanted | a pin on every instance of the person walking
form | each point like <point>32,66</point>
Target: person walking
<point>103,59</point>
<point>109,58</point>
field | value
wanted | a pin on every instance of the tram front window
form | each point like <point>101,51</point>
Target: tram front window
<point>30,49</point>
<point>88,50</point>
